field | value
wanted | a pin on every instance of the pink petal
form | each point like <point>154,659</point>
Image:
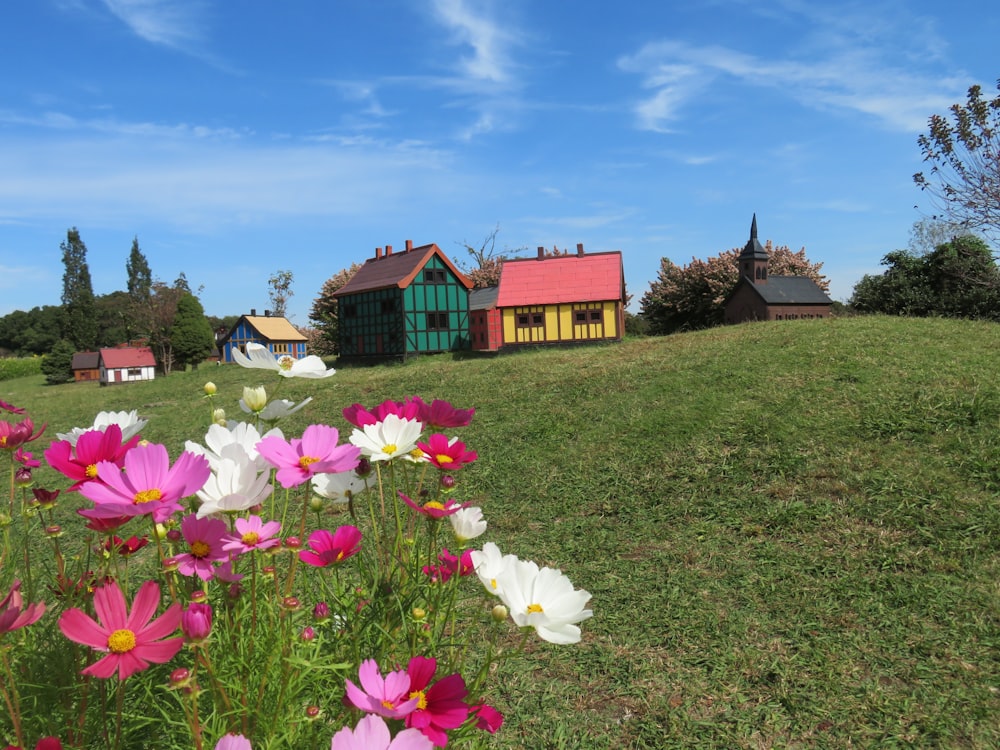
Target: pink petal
<point>160,652</point>
<point>162,626</point>
<point>109,604</point>
<point>78,627</point>
<point>144,605</point>
<point>103,668</point>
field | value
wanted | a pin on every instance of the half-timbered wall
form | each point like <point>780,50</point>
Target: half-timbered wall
<point>371,323</point>
<point>540,324</point>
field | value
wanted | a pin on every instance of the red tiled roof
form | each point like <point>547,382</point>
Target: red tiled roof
<point>131,357</point>
<point>398,269</point>
<point>595,277</point>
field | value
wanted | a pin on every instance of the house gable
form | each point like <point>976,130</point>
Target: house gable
<point>273,331</point>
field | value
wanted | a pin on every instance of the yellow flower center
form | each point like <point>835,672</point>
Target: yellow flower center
<point>250,538</point>
<point>443,458</point>
<point>200,548</point>
<point>146,496</point>
<point>285,363</point>
<point>306,461</point>
<point>493,582</point>
<point>91,471</point>
<point>3,441</point>
<point>389,448</point>
<point>421,699</point>
<point>435,505</point>
<point>388,704</point>
<point>121,641</point>
<point>535,609</point>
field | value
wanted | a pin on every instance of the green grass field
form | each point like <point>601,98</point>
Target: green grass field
<point>790,530</point>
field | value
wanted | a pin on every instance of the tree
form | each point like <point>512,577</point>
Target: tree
<point>78,293</point>
<point>139,289</point>
<point>112,313</point>
<point>486,262</point>
<point>33,332</point>
<point>958,279</point>
<point>280,291</point>
<point>323,313</point>
<point>57,365</point>
<point>191,335</point>
<point>690,297</point>
<point>162,310</point>
<point>964,151</point>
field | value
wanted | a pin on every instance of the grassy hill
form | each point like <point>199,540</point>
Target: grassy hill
<point>791,531</point>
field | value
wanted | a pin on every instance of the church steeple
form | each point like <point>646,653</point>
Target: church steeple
<point>753,259</point>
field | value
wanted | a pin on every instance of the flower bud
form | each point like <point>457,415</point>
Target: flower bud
<point>219,417</point>
<point>312,712</point>
<point>180,677</point>
<point>170,565</point>
<point>255,399</point>
<point>196,622</point>
<point>199,596</point>
<point>315,503</point>
<point>321,612</point>
<point>308,634</point>
<point>174,535</point>
<point>364,467</point>
<point>499,613</point>
<point>53,531</point>
<point>419,613</point>
<point>293,542</point>
<point>210,388</point>
<point>5,520</point>
<point>22,477</point>
<point>291,603</point>
<point>447,481</point>
<point>161,531</point>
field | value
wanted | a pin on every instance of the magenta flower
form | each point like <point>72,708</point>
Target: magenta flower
<point>13,436</point>
<point>450,565</point>
<point>316,452</point>
<point>149,484</point>
<point>330,549</point>
<point>440,706</point>
<point>205,539</point>
<point>196,622</point>
<point>4,406</point>
<point>372,733</point>
<point>92,447</point>
<point>26,458</point>
<point>447,455</point>
<point>441,415</point>
<point>252,533</point>
<point>359,416</point>
<point>434,508</point>
<point>233,742</point>
<point>487,718</point>
<point>131,640</point>
<point>13,615</point>
<point>388,696</point>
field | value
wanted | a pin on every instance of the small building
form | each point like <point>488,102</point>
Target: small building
<point>485,325</point>
<point>760,296</point>
<point>273,331</point>
<point>402,304</point>
<point>86,366</point>
<point>126,365</point>
<point>557,299</point>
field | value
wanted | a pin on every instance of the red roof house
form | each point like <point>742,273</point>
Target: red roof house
<point>126,365</point>
<point>554,299</point>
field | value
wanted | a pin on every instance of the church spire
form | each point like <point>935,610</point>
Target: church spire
<point>753,259</point>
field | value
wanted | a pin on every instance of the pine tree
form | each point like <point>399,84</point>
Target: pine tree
<point>78,294</point>
<point>57,365</point>
<point>140,292</point>
<point>191,336</point>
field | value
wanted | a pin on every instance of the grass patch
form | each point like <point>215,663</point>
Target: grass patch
<point>790,531</point>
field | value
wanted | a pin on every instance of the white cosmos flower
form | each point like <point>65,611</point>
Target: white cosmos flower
<point>241,434</point>
<point>544,600</point>
<point>467,523</point>
<point>235,484</point>
<point>489,564</point>
<point>259,357</point>
<point>339,487</point>
<point>280,408</point>
<point>385,440</point>
<point>128,421</point>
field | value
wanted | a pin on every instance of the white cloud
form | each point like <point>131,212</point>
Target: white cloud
<point>490,42</point>
<point>172,23</point>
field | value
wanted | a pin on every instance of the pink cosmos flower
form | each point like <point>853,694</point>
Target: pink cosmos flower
<point>330,549</point>
<point>233,742</point>
<point>149,484</point>
<point>205,539</point>
<point>13,436</point>
<point>450,565</point>
<point>131,640</point>
<point>371,733</point>
<point>252,533</point>
<point>440,706</point>
<point>487,718</point>
<point>13,615</point>
<point>92,447</point>
<point>46,743</point>
<point>441,415</point>
<point>359,416</point>
<point>434,508</point>
<point>316,452</point>
<point>26,458</point>
<point>11,408</point>
<point>388,696</point>
<point>447,455</point>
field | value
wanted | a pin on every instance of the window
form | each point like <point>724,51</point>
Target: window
<point>434,276</point>
<point>388,306</point>
<point>350,311</point>
<point>580,317</point>
<point>530,320</point>
<point>135,372</point>
<point>281,348</point>
<point>437,321</point>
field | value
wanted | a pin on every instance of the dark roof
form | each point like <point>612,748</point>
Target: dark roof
<point>789,290</point>
<point>396,270</point>
<point>86,360</point>
<point>753,248</point>
<point>483,299</point>
<point>551,280</point>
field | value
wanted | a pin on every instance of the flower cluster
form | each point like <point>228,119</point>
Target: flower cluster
<point>298,591</point>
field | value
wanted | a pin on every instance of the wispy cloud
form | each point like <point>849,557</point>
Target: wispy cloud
<point>858,64</point>
<point>490,60</point>
<point>172,23</point>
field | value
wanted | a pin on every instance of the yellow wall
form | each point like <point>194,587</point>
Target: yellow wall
<point>559,324</point>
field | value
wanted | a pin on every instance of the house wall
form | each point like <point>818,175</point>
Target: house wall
<point>746,305</point>
<point>115,375</point>
<point>541,324</point>
<point>486,329</point>
<point>371,323</point>
<point>86,375</point>
<point>244,333</point>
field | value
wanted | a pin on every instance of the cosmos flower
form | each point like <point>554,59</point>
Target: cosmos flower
<point>383,441</point>
<point>387,696</point>
<point>330,549</point>
<point>490,564</point>
<point>236,483</point>
<point>131,640</point>
<point>259,357</point>
<point>467,523</point>
<point>79,462</point>
<point>433,508</point>
<point>372,733</point>
<point>204,537</point>
<point>243,434</point>
<point>128,422</point>
<point>440,706</point>
<point>441,415</point>
<point>13,436</point>
<point>339,487</point>
<point>359,416</point>
<point>316,452</point>
<point>252,534</point>
<point>447,455</point>
<point>545,600</point>
<point>14,615</point>
<point>233,742</point>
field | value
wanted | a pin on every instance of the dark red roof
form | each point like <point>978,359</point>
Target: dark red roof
<point>130,357</point>
<point>398,269</point>
<point>595,277</point>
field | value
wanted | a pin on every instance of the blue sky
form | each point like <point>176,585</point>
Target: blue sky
<point>235,139</point>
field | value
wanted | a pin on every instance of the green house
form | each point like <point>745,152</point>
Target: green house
<point>405,303</point>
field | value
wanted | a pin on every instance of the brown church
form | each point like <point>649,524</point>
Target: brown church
<point>760,296</point>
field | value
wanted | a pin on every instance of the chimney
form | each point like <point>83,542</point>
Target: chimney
<point>579,248</point>
<point>541,253</point>
<point>267,313</point>
<point>409,245</point>
<point>378,253</point>
<point>388,250</point>
<point>253,311</point>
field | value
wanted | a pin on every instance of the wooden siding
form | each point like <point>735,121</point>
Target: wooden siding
<point>560,323</point>
<point>244,333</point>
